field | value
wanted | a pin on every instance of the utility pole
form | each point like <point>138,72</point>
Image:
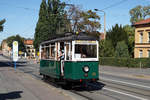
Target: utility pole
<point>104,21</point>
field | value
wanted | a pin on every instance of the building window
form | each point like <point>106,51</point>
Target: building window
<point>141,53</point>
<point>148,53</point>
<point>148,37</point>
<point>141,37</point>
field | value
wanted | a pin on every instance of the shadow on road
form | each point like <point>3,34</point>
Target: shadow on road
<point>11,64</point>
<point>8,63</point>
<point>4,63</point>
<point>11,95</point>
<point>89,86</point>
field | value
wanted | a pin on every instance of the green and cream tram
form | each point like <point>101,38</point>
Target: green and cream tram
<point>80,61</point>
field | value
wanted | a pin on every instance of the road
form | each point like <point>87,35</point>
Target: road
<point>109,87</point>
<point>17,85</point>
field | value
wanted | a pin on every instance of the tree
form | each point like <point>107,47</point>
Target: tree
<point>117,34</point>
<point>51,21</point>
<point>41,30</point>
<point>130,31</point>
<point>121,49</point>
<point>139,13</point>
<point>106,48</point>
<point>1,24</point>
<point>56,16</point>
<point>87,21</point>
<point>74,15</point>
<point>20,42</point>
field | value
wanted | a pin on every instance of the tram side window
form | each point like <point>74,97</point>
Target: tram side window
<point>85,51</point>
<point>52,51</point>
<point>68,52</point>
<point>43,53</point>
<point>47,53</point>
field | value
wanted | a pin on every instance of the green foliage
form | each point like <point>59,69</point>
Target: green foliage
<point>116,34</point>
<point>130,31</point>
<point>121,50</point>
<point>51,21</point>
<point>106,49</point>
<point>139,13</point>
<point>125,62</point>
<point>1,24</point>
<point>20,42</point>
<point>87,21</point>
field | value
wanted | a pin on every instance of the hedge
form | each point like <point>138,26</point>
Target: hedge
<point>125,62</point>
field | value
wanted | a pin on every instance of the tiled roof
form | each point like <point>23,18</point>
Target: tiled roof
<point>102,36</point>
<point>146,21</point>
<point>28,42</point>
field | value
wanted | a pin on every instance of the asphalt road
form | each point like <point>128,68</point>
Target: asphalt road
<point>109,87</point>
<point>17,85</point>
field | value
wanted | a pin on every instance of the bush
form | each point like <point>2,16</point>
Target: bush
<point>125,62</point>
<point>121,50</point>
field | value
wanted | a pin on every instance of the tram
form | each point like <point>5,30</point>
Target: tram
<point>80,62</point>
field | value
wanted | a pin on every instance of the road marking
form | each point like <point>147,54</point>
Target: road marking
<point>133,96</point>
<point>133,84</point>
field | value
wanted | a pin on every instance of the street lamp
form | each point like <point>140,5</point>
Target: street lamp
<point>104,21</point>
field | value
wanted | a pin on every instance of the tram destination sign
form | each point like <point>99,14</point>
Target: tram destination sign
<point>81,41</point>
<point>15,51</point>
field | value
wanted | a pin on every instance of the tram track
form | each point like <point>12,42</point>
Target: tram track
<point>51,83</point>
<point>128,88</point>
<point>124,90</point>
<point>82,95</point>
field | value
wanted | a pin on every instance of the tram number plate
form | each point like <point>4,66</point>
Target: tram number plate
<point>93,74</point>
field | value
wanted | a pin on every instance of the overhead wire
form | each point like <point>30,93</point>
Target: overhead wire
<point>25,8</point>
<point>115,4</point>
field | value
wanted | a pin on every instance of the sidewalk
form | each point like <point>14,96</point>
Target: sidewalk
<point>143,73</point>
<point>21,86</point>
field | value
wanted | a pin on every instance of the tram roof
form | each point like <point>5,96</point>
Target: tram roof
<point>70,37</point>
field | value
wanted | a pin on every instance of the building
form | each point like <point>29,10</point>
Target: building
<point>29,48</point>
<point>102,36</point>
<point>142,39</point>
<point>5,48</point>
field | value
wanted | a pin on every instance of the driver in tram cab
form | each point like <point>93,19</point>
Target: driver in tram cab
<point>62,56</point>
<point>81,51</point>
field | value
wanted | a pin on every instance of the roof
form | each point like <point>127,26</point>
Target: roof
<point>102,36</point>
<point>28,42</point>
<point>142,22</point>
<point>71,37</point>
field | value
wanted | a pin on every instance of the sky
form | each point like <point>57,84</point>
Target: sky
<point>22,15</point>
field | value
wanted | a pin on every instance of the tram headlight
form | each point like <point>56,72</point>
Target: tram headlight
<point>86,69</point>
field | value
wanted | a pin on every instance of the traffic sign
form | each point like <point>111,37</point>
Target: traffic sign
<point>15,51</point>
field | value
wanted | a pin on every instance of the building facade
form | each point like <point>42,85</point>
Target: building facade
<point>5,48</point>
<point>142,39</point>
<point>29,48</point>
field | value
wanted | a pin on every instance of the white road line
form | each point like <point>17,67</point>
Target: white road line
<point>132,84</point>
<point>133,96</point>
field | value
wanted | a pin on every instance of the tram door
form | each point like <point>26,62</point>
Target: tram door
<point>62,58</point>
<point>67,51</point>
<point>66,48</point>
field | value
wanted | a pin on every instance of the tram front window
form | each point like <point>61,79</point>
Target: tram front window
<point>85,51</point>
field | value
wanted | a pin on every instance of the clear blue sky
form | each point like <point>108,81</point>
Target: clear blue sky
<point>22,15</point>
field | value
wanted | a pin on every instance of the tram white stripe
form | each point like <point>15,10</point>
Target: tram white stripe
<point>133,84</point>
<point>133,96</point>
